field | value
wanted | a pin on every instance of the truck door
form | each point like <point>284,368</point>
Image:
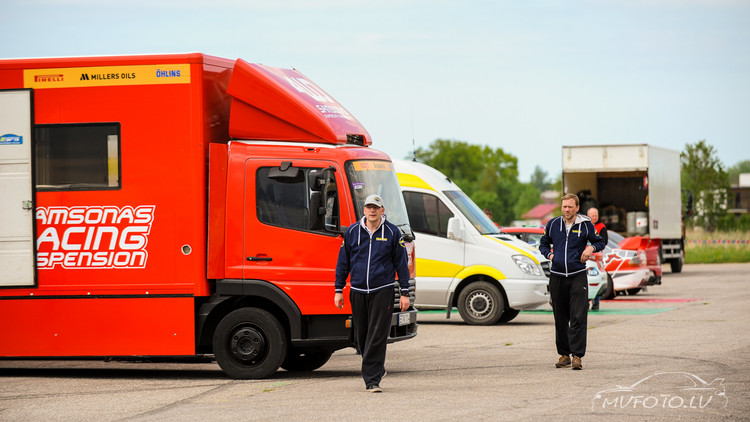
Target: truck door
<point>17,250</point>
<point>439,259</point>
<point>282,242</point>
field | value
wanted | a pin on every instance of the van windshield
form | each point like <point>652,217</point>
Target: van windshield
<point>472,212</point>
<point>367,177</point>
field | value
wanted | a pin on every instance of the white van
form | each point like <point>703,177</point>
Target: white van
<point>463,260</point>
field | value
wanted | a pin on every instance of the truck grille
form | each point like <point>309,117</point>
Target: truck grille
<point>546,268</point>
<point>397,294</point>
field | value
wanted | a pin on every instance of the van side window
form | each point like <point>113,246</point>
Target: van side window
<point>286,203</point>
<point>427,214</point>
<point>82,156</point>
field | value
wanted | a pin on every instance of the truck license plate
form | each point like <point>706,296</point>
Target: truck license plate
<point>403,319</point>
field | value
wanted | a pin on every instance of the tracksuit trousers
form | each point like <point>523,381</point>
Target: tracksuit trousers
<point>570,306</point>
<point>371,316</point>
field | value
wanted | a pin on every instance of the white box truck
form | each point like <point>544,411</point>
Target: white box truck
<point>636,188</point>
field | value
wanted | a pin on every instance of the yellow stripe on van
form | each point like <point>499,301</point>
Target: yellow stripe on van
<point>432,268</point>
<point>513,247</point>
<point>482,270</point>
<point>412,181</point>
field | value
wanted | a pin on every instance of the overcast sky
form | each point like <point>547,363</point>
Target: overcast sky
<point>527,76</point>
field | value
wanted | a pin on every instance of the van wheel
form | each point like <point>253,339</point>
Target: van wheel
<point>481,303</point>
<point>508,315</point>
<point>298,361</point>
<point>249,343</point>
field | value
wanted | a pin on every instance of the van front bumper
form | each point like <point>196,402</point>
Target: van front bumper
<point>526,294</point>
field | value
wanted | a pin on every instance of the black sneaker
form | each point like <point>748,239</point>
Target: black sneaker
<point>563,362</point>
<point>373,389</point>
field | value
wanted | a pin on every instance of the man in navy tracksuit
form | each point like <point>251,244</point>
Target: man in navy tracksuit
<point>568,284</point>
<point>373,252</point>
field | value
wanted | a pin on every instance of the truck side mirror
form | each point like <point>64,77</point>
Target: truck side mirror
<point>316,211</point>
<point>324,213</point>
<point>316,180</point>
<point>455,229</point>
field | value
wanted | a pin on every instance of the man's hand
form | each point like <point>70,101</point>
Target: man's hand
<point>338,300</point>
<point>587,253</point>
<point>404,302</point>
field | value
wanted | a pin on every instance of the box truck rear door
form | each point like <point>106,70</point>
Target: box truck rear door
<point>17,251</point>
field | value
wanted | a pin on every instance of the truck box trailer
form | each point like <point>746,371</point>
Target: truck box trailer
<point>636,188</point>
<point>179,205</point>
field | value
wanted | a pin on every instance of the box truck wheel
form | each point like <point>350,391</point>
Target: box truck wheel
<point>481,303</point>
<point>676,263</point>
<point>249,343</point>
<point>300,361</point>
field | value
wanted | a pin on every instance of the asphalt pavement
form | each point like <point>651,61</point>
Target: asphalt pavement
<point>677,351</point>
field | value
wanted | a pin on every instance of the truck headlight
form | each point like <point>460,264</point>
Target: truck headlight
<point>527,265</point>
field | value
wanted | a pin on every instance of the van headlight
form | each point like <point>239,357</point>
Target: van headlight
<point>527,265</point>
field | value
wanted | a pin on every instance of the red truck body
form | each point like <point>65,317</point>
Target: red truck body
<point>177,202</point>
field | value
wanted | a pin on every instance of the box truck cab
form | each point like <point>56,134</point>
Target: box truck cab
<point>179,205</point>
<point>463,260</point>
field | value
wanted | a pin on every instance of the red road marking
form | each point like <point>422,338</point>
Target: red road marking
<point>653,300</point>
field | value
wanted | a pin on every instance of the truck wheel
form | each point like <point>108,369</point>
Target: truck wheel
<point>508,315</point>
<point>249,343</point>
<point>676,264</point>
<point>609,291</point>
<point>298,361</point>
<point>481,303</point>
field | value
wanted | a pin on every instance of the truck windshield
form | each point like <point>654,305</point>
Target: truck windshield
<point>472,212</point>
<point>367,177</point>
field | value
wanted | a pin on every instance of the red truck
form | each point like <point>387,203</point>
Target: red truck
<point>179,206</point>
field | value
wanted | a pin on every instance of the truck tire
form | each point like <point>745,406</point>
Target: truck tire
<point>298,361</point>
<point>249,343</point>
<point>481,303</point>
<point>609,291</point>
<point>508,315</point>
<point>676,264</point>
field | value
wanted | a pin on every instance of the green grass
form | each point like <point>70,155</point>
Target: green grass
<point>701,253</point>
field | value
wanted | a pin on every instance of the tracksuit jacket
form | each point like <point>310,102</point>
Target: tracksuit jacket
<point>374,259</point>
<point>569,246</point>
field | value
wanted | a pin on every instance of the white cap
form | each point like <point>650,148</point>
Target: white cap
<point>374,200</point>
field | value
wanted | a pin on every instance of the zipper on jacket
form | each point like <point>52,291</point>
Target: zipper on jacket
<point>369,257</point>
<point>567,234</point>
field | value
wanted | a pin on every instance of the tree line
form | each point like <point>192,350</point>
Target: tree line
<point>489,176</point>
